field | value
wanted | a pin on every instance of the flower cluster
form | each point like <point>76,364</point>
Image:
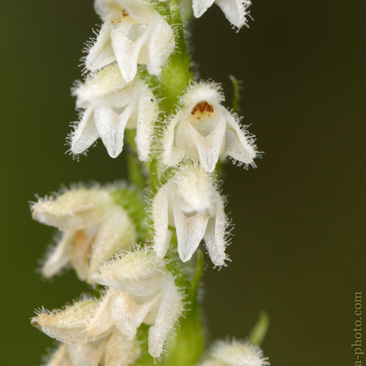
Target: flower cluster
<point>138,253</point>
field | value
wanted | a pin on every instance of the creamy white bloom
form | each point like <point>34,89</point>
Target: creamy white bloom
<point>203,130</point>
<point>141,290</point>
<point>110,106</point>
<point>133,33</point>
<point>94,227</point>
<point>234,10</point>
<point>235,353</point>
<point>112,349</point>
<point>190,202</point>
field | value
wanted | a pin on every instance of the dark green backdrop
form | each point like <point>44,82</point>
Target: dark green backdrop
<point>298,250</point>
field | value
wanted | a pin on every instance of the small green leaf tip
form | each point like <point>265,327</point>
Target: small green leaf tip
<point>260,329</point>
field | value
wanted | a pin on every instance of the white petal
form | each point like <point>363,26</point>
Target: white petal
<point>81,248</point>
<point>237,145</point>
<point>60,255</point>
<point>190,232</point>
<point>234,10</point>
<point>147,115</point>
<point>215,233</point>
<point>74,210</point>
<point>160,218</point>
<point>105,87</point>
<point>116,232</point>
<point>68,325</point>
<point>121,351</point>
<point>209,147</point>
<point>60,357</point>
<point>111,128</point>
<point>127,314</point>
<point>160,45</point>
<point>200,7</point>
<point>191,191</point>
<point>101,53</point>
<point>126,50</point>
<point>169,312</point>
<point>85,134</point>
<point>102,319</point>
<point>89,354</point>
<point>140,273</point>
<point>171,155</point>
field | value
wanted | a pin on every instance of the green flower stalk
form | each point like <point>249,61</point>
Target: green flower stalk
<point>137,244</point>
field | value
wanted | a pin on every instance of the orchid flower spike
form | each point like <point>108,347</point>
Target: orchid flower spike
<point>205,131</point>
<point>141,290</point>
<point>133,33</point>
<point>79,347</point>
<point>190,203</point>
<point>234,10</point>
<point>94,227</point>
<point>110,106</point>
<point>235,353</point>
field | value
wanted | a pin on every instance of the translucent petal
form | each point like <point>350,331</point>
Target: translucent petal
<point>190,232</point>
<point>200,7</point>
<point>160,44</point>
<point>60,357</point>
<point>209,147</point>
<point>102,319</point>
<point>160,217</point>
<point>126,50</point>
<point>116,232</point>
<point>234,10</point>
<point>127,314</point>
<point>85,133</point>
<point>215,233</point>
<point>140,273</point>
<point>68,325</point>
<point>101,53</point>
<point>89,354</point>
<point>171,155</point>
<point>105,87</point>
<point>111,128</point>
<point>169,312</point>
<point>74,210</point>
<point>238,146</point>
<point>147,115</point>
<point>60,255</point>
<point>121,351</point>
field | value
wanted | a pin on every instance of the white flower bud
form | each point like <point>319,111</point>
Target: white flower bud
<point>191,203</point>
<point>205,131</point>
<point>94,228</point>
<point>235,353</point>
<point>111,105</point>
<point>133,33</point>
<point>234,10</point>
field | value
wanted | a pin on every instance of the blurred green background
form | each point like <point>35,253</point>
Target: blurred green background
<point>299,245</point>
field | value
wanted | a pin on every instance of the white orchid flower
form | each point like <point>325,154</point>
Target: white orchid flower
<point>141,290</point>
<point>234,10</point>
<point>133,33</point>
<point>93,226</point>
<point>190,203</point>
<point>80,348</point>
<point>111,105</point>
<point>205,131</point>
<point>235,353</point>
